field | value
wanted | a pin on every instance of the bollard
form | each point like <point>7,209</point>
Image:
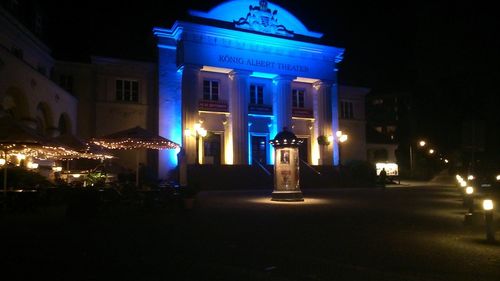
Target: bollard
<point>469,203</point>
<point>488,218</point>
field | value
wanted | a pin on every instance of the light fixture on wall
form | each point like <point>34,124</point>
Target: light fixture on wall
<point>196,132</point>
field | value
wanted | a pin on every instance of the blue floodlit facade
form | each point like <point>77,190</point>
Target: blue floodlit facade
<point>237,75</point>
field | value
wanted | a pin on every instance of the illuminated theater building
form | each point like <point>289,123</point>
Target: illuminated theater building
<point>243,71</point>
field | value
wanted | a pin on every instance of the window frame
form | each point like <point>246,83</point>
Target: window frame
<point>210,95</point>
<point>256,94</point>
<point>298,98</point>
<point>127,93</point>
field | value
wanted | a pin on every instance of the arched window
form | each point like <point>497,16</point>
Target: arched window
<point>43,118</point>
<point>64,124</point>
<point>15,103</point>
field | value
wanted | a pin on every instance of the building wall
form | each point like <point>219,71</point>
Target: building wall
<point>83,87</point>
<point>15,37</point>
<point>25,90</point>
<point>100,112</point>
<point>381,152</point>
<point>353,124</point>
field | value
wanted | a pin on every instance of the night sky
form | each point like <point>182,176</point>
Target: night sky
<point>446,56</point>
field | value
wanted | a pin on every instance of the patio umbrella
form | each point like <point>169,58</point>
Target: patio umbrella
<point>85,149</point>
<point>135,138</point>
<point>16,138</point>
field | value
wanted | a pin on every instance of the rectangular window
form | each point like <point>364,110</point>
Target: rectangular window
<point>127,90</point>
<point>119,89</point>
<point>210,90</point>
<point>66,82</point>
<point>256,94</point>
<point>298,98</point>
<point>346,110</point>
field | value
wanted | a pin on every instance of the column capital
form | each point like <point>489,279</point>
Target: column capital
<point>322,83</point>
<point>239,73</point>
<point>190,67</point>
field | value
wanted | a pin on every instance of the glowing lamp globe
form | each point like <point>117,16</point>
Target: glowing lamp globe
<point>469,190</point>
<point>488,204</point>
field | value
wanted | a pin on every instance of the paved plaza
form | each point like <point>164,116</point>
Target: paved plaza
<point>402,232</point>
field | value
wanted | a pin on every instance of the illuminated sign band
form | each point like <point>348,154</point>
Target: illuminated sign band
<point>260,109</point>
<point>302,112</point>
<point>272,65</point>
<point>210,105</point>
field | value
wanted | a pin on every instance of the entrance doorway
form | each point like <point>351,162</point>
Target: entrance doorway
<point>212,149</point>
<point>304,150</point>
<point>259,149</point>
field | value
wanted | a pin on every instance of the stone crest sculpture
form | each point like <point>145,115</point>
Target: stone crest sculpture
<point>262,19</point>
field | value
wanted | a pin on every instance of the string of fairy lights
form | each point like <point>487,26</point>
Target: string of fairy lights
<point>15,153</point>
<point>135,144</point>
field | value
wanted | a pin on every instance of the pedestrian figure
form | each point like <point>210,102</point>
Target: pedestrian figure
<point>383,177</point>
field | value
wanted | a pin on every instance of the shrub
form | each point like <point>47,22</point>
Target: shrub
<point>18,177</point>
<point>359,174</point>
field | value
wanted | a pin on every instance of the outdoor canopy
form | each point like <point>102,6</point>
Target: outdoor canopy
<point>16,138</point>
<point>135,138</point>
<point>85,149</point>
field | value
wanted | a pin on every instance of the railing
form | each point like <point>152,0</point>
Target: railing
<point>262,167</point>
<point>310,167</point>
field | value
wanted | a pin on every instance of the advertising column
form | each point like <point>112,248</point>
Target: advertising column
<point>286,167</point>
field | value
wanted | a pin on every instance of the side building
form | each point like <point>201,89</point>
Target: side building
<point>28,90</point>
<point>114,95</point>
<point>352,122</point>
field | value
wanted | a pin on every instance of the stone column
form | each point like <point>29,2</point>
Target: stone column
<point>238,108</point>
<point>228,140</point>
<point>190,116</point>
<point>334,105</point>
<point>323,119</point>
<point>282,104</point>
<point>169,107</point>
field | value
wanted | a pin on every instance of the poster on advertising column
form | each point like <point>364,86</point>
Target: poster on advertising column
<point>286,170</point>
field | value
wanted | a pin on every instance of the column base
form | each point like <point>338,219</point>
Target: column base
<point>288,196</point>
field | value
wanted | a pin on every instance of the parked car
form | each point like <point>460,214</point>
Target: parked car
<point>486,178</point>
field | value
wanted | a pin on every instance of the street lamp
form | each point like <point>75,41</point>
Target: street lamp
<point>341,137</point>
<point>421,143</point>
<point>469,202</point>
<point>197,132</point>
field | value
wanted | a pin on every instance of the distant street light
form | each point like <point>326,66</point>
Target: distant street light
<point>421,143</point>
